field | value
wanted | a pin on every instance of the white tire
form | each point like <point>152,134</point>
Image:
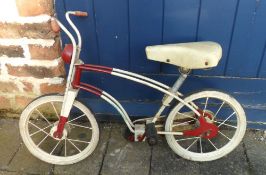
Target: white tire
<point>79,140</point>
<point>226,113</point>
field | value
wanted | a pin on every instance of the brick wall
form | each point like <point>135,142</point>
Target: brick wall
<point>30,63</point>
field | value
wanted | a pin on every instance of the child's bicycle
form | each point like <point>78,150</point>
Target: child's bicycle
<point>203,126</point>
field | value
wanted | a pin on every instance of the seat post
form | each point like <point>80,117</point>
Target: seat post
<point>167,98</point>
<point>183,75</point>
<point>179,82</point>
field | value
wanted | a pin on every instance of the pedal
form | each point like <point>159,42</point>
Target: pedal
<point>139,133</point>
<point>128,135</point>
<point>138,136</point>
<point>151,134</point>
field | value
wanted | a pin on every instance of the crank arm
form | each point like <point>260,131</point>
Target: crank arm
<point>170,133</point>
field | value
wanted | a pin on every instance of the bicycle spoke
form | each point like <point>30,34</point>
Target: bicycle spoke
<point>200,145</point>
<point>76,118</point>
<point>226,124</point>
<point>218,110</point>
<point>212,144</point>
<point>79,141</point>
<point>42,116</point>
<point>65,148</point>
<point>187,139</point>
<point>227,119</point>
<point>42,141</point>
<point>55,110</point>
<point>206,103</point>
<point>40,121</point>
<point>41,129</point>
<point>80,126</point>
<point>74,145</point>
<point>55,147</point>
<point>224,135</point>
<point>185,115</point>
<point>192,143</point>
<point>183,123</point>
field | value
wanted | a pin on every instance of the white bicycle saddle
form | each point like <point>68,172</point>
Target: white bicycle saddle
<point>193,55</point>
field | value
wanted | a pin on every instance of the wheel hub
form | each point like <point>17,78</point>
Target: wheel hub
<point>64,132</point>
<point>206,128</point>
<point>208,115</point>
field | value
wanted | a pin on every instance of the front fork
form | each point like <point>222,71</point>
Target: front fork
<point>69,99</point>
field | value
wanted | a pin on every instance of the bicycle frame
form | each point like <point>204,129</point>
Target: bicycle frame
<point>204,126</point>
<point>74,85</point>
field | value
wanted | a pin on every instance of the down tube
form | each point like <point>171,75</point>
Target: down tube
<point>108,98</point>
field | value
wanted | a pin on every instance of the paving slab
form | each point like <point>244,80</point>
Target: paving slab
<point>234,163</point>
<point>25,162</point>
<point>115,155</point>
<point>9,173</point>
<point>255,145</point>
<point>165,161</point>
<point>92,164</point>
<point>124,157</point>
<point>9,141</point>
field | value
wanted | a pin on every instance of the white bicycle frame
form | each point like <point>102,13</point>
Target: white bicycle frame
<point>71,92</point>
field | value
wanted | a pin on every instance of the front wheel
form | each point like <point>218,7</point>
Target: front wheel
<point>39,121</point>
<point>218,109</point>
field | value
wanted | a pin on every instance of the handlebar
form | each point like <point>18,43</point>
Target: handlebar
<point>56,25</point>
<point>76,45</point>
<point>73,26</point>
<point>80,13</point>
<point>75,13</point>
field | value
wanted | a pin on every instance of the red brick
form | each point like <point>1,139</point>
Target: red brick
<point>36,71</point>
<point>60,69</point>
<point>4,103</point>
<point>8,87</point>
<point>34,7</point>
<point>28,87</point>
<point>47,88</point>
<point>45,53</point>
<point>11,51</point>
<point>35,31</point>
<point>22,102</point>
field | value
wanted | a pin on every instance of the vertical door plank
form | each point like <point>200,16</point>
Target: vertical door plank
<point>145,19</point>
<point>216,24</point>
<point>113,32</point>
<point>180,24</point>
<point>262,70</point>
<point>248,39</point>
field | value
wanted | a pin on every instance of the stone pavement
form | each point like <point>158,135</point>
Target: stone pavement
<point>115,155</point>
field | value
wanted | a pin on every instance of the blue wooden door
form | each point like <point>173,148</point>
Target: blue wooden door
<point>116,32</point>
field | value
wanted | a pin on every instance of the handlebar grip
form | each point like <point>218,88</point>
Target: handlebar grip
<point>80,13</point>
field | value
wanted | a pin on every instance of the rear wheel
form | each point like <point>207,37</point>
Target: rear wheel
<point>39,121</point>
<point>218,109</point>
